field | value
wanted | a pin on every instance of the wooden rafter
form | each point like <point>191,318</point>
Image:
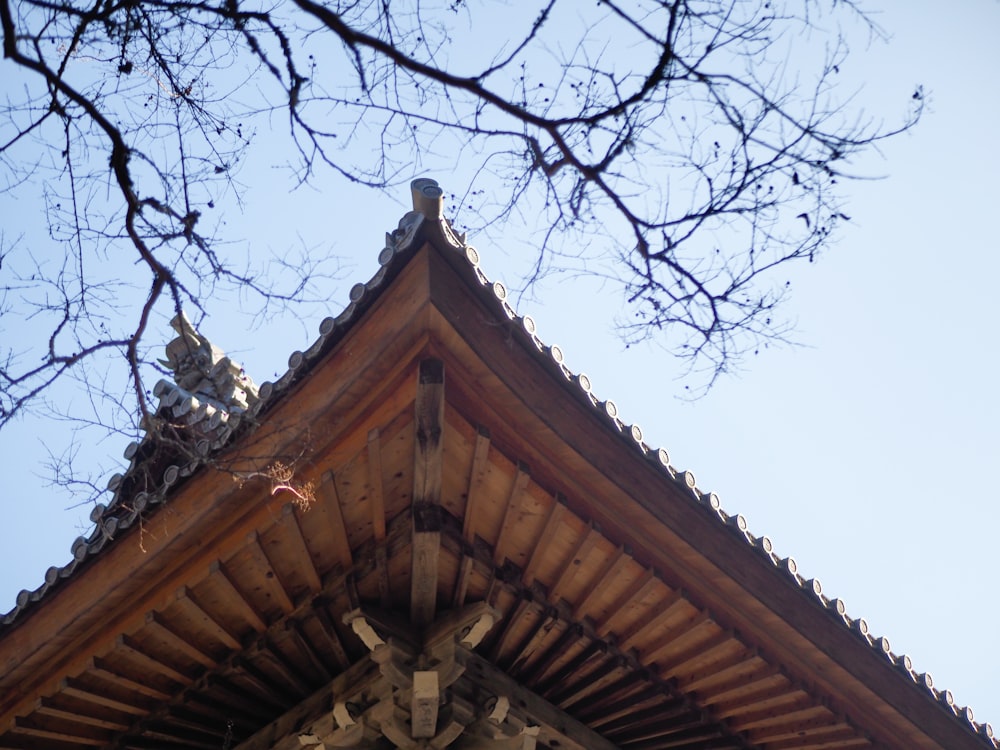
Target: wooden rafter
<point>222,578</point>
<point>158,624</point>
<point>126,646</point>
<point>587,541</point>
<point>652,620</point>
<point>629,694</point>
<point>332,516</point>
<point>106,672</point>
<point>47,707</point>
<point>545,619</point>
<point>515,617</point>
<point>556,724</point>
<point>635,591</point>
<point>480,463</point>
<point>542,542</point>
<point>522,477</point>
<point>206,622</point>
<point>612,568</point>
<point>299,549</point>
<point>274,587</point>
<point>76,688</point>
<point>668,639</point>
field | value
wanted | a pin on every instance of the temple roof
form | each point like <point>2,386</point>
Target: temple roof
<point>619,595</point>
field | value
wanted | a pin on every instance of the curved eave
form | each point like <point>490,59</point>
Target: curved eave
<point>576,444</point>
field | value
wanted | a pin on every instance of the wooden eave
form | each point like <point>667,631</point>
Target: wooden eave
<point>456,464</point>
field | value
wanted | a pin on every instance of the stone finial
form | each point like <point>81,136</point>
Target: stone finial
<point>428,197</point>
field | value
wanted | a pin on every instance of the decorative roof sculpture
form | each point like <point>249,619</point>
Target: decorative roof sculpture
<point>210,392</point>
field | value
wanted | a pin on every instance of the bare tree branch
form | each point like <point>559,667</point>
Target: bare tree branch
<point>686,151</point>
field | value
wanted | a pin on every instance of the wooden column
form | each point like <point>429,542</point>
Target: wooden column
<point>429,451</point>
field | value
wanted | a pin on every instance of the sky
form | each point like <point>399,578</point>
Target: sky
<point>867,452</point>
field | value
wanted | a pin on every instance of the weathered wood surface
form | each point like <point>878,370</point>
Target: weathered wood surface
<point>427,469</point>
<point>621,598</point>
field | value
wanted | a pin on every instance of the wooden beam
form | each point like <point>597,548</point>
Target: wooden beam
<point>220,711</point>
<point>283,732</point>
<point>73,688</point>
<point>46,707</point>
<point>311,721</point>
<point>239,603</point>
<point>104,671</point>
<point>203,617</point>
<point>126,645</point>
<point>639,714</point>
<point>333,516</point>
<point>332,637</point>
<point>533,637</point>
<point>761,677</point>
<point>304,644</point>
<point>670,638</point>
<point>653,619</point>
<point>511,621</point>
<point>517,490</point>
<point>273,587</point>
<point>306,566</point>
<point>278,663</point>
<point>541,544</point>
<point>187,718</point>
<point>834,737</point>
<point>261,699</point>
<point>166,736</point>
<point>376,498</point>
<point>626,695</point>
<point>672,713</point>
<point>757,699</point>
<point>462,581</point>
<point>609,572</point>
<point>635,591</point>
<point>27,727</point>
<point>660,737</point>
<point>719,674</point>
<point>177,641</point>
<point>427,476</point>
<point>584,545</point>
<point>594,681</point>
<point>480,462</point>
<point>376,494</point>
<point>558,729</point>
<point>703,650</point>
<point>243,680</point>
<point>799,707</point>
<point>594,651</point>
<point>569,637</point>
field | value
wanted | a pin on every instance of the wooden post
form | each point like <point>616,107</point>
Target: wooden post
<point>429,452</point>
<point>424,704</point>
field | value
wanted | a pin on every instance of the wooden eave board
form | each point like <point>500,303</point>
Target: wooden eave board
<point>629,497</point>
<point>209,516</point>
<point>231,610</point>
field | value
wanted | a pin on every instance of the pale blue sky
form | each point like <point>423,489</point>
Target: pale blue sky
<point>868,454</point>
